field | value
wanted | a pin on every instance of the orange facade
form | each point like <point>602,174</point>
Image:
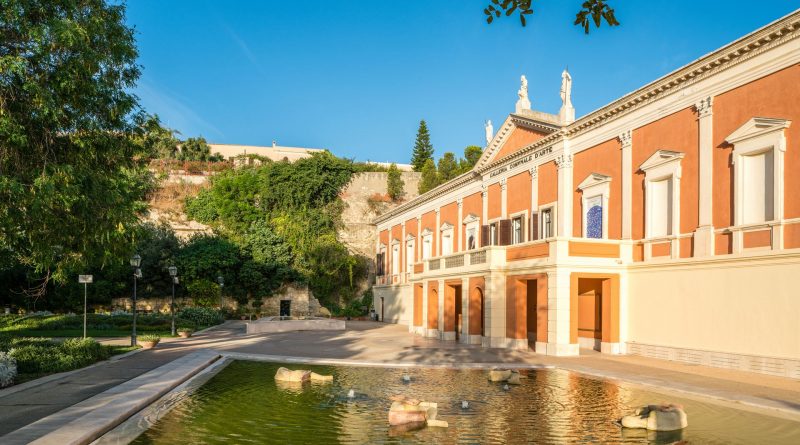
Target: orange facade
<point>605,159</point>
<point>495,203</point>
<point>774,96</point>
<point>676,132</point>
<point>548,183</point>
<point>449,214</point>
<point>520,198</point>
<point>429,223</point>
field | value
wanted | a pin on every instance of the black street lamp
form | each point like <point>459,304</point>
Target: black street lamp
<point>221,282</point>
<point>173,272</point>
<point>136,261</point>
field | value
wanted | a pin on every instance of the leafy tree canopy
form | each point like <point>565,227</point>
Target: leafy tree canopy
<point>72,173</point>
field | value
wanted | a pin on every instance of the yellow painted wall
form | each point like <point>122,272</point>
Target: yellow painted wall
<point>742,307</point>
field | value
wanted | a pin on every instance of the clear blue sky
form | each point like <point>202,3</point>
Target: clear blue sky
<point>357,76</point>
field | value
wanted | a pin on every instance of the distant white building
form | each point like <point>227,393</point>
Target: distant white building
<point>275,152</point>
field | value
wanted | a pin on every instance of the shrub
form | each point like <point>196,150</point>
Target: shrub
<point>203,292</point>
<point>201,316</point>
<point>8,369</point>
<point>189,330</point>
<point>39,355</point>
<point>149,338</point>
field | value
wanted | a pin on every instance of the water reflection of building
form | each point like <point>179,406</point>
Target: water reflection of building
<point>665,224</point>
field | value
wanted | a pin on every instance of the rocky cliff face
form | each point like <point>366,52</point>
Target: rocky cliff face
<point>365,198</point>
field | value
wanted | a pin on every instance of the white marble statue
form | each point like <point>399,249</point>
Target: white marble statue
<point>567,113</point>
<point>523,103</point>
<point>489,132</point>
<point>566,88</point>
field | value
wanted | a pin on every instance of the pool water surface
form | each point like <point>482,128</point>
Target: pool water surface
<point>244,404</point>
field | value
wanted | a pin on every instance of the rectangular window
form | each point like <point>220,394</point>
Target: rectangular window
<point>493,239</point>
<point>547,223</point>
<point>410,256</point>
<point>395,259</point>
<point>472,235</point>
<point>447,242</point>
<point>427,244</point>
<point>758,188</point>
<point>517,230</point>
<point>593,217</point>
<point>660,208</point>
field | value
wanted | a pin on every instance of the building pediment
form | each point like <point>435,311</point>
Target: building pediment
<point>471,218</point>
<point>532,122</point>
<point>594,179</point>
<point>409,237</point>
<point>661,157</point>
<point>446,226</point>
<point>755,127</point>
<point>426,232</point>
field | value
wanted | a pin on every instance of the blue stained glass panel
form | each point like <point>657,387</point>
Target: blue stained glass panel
<point>594,222</point>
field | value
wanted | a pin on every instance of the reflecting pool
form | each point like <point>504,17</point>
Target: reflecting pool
<point>244,404</point>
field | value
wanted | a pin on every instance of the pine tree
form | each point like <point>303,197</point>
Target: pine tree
<point>430,178</point>
<point>394,183</point>
<point>423,150</point>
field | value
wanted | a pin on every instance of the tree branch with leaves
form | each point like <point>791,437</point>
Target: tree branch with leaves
<point>592,11</point>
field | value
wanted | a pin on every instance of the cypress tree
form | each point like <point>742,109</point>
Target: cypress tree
<point>423,150</point>
<point>394,183</point>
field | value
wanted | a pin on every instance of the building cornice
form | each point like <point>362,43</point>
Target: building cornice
<point>751,45</point>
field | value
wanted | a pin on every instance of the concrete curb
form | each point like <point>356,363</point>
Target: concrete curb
<point>138,423</point>
<point>378,364</point>
<point>88,420</point>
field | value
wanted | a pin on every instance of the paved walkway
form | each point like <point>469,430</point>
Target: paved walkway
<point>371,342</point>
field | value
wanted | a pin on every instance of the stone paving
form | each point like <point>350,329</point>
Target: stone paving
<point>378,343</point>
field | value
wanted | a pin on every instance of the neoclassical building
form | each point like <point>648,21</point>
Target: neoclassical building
<point>665,224</point>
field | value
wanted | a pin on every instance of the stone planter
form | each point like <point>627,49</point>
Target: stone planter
<point>148,344</point>
<point>184,334</point>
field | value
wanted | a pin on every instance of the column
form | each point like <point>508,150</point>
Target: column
<point>564,211</point>
<point>460,226</point>
<point>438,235</point>
<point>464,302</point>
<point>504,198</point>
<point>704,235</point>
<point>418,240</point>
<point>534,171</point>
<point>403,253</point>
<point>485,208</point>
<point>442,297</point>
<point>626,141</point>
<point>559,310</point>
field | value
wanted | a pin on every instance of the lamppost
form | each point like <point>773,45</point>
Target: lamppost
<point>173,272</point>
<point>221,282</point>
<point>136,261</point>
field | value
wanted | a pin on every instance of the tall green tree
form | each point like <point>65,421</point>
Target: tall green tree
<point>423,150</point>
<point>472,154</point>
<point>430,177</point>
<point>72,170</point>
<point>394,183</point>
<point>448,167</point>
